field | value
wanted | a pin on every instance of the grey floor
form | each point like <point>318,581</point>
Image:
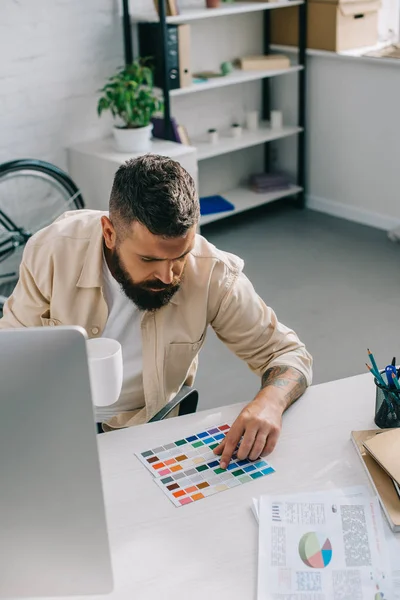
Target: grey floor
<point>336,283</point>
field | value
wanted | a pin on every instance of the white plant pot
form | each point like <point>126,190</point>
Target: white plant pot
<point>133,140</point>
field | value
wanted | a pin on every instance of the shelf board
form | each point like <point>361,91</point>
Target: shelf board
<point>245,199</point>
<point>238,76</point>
<point>236,8</point>
<point>228,144</point>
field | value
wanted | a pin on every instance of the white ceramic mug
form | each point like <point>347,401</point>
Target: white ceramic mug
<point>105,370</point>
<point>252,120</point>
<point>276,119</point>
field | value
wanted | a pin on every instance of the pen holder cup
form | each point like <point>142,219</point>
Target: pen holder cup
<point>387,407</point>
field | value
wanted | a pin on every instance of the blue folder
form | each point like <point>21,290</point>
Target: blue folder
<point>210,205</point>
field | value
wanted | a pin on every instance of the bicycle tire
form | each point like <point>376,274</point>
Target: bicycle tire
<point>45,167</point>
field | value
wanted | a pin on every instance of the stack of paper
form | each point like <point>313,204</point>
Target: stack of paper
<point>322,546</point>
<point>379,452</point>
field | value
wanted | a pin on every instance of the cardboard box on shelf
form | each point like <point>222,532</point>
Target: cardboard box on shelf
<point>331,25</point>
<point>261,62</point>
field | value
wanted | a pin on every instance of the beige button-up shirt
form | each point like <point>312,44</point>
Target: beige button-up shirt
<point>61,284</point>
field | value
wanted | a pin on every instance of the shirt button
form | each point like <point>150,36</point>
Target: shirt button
<point>95,330</point>
<point>52,323</point>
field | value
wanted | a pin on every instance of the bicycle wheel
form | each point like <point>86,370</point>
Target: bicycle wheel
<point>33,194</point>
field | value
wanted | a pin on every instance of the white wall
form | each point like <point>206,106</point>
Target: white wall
<point>54,55</point>
<point>353,132</point>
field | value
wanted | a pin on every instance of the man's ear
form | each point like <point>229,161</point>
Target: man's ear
<point>109,233</point>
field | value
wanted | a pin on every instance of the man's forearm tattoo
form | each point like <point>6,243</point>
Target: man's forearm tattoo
<point>285,377</point>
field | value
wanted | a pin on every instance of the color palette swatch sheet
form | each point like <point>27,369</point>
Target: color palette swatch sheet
<point>188,470</point>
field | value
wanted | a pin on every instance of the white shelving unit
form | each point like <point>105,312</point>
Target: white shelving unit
<point>227,143</point>
<point>244,199</point>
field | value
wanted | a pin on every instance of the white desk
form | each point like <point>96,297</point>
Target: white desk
<point>209,549</point>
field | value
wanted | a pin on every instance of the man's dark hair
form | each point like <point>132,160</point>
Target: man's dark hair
<point>157,192</point>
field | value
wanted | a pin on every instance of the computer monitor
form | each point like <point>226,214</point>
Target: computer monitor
<point>53,534</point>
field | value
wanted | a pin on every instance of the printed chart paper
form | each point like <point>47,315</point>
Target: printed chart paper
<point>322,546</point>
<point>187,470</point>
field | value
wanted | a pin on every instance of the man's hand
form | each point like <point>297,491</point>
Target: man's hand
<point>260,422</point>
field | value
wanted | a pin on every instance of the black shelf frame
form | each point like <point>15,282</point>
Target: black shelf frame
<point>266,83</point>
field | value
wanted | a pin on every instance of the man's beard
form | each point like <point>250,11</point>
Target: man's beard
<point>142,294</point>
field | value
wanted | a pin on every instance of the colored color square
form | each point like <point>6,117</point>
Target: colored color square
<point>197,460</point>
<point>191,489</point>
<point>196,480</point>
<point>203,485</point>
<point>256,475</point>
<point>186,500</point>
<point>238,472</point>
<point>166,480</point>
<point>170,461</point>
<point>180,442</point>
<point>231,466</point>
<point>212,431</point>
<point>173,486</point>
<point>153,459</point>
<point>213,464</point>
<point>158,466</point>
<point>192,438</point>
<point>176,468</point>
<point>164,472</point>
<point>201,468</point>
<point>220,436</point>
<point>219,470</point>
<point>223,427</point>
<point>208,491</point>
<point>181,457</point>
<point>267,471</point>
<point>249,469</point>
<point>197,496</point>
<point>208,440</point>
<point>260,465</point>
<point>244,478</point>
<point>240,463</point>
<point>232,482</point>
<point>178,494</point>
<point>169,446</point>
<point>148,453</point>
<point>203,434</point>
<point>221,487</point>
<point>197,444</point>
<point>213,446</point>
<point>159,449</point>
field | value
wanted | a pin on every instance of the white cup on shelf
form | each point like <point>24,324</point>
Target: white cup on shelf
<point>252,120</point>
<point>105,370</point>
<point>276,119</point>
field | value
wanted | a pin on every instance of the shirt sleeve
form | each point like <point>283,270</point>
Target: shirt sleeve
<point>28,304</point>
<point>252,331</point>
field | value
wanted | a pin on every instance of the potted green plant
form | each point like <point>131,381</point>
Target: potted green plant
<point>129,96</point>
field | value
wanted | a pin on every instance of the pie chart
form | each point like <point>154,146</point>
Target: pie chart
<point>315,550</point>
